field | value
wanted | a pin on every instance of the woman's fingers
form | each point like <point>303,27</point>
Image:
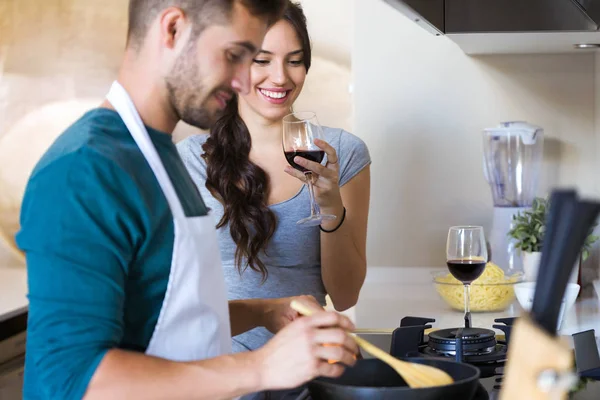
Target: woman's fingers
<point>332,157</point>
<point>295,173</point>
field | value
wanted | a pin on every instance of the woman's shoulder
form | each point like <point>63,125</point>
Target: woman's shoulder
<point>345,143</point>
<point>342,139</point>
<point>190,150</point>
<point>192,143</point>
<point>352,151</point>
<point>191,146</point>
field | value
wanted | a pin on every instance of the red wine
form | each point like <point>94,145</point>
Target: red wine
<point>466,271</point>
<point>312,155</point>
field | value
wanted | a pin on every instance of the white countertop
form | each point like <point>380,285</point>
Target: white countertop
<point>13,291</point>
<point>388,295</point>
<point>391,293</point>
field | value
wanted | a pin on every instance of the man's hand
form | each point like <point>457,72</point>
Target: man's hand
<point>278,313</point>
<point>301,351</point>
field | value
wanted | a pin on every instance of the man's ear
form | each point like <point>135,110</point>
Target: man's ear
<point>173,25</point>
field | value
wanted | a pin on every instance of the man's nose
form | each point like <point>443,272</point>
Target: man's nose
<point>241,80</point>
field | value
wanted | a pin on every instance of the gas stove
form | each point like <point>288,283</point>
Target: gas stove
<point>480,347</point>
<point>476,346</point>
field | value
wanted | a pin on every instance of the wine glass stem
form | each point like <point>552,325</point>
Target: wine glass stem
<point>314,210</point>
<point>467,305</point>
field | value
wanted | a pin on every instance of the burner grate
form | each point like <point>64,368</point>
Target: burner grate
<point>474,341</point>
<point>478,346</point>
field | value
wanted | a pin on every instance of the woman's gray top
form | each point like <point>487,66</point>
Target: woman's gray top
<point>293,256</point>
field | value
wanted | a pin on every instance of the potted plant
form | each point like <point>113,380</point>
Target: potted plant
<point>528,232</point>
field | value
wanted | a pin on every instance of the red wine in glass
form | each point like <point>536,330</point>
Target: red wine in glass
<point>312,155</point>
<point>466,271</point>
<point>300,129</point>
<point>466,257</point>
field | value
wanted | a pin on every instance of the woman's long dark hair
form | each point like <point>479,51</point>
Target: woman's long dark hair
<point>239,184</point>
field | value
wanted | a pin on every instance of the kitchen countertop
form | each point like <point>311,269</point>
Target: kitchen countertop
<point>391,293</point>
<point>13,291</point>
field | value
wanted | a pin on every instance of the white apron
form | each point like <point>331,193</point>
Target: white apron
<point>194,319</point>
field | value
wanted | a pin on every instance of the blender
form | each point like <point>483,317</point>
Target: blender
<point>512,160</point>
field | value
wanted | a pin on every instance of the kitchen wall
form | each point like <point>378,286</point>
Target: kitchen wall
<point>421,103</point>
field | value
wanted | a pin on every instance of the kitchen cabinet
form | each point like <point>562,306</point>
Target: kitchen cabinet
<point>482,27</point>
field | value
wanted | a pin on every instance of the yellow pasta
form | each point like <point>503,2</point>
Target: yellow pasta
<point>492,291</point>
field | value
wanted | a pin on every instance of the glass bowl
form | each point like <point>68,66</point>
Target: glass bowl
<point>488,293</point>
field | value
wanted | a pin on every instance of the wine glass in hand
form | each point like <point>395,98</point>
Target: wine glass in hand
<point>466,257</point>
<point>299,131</point>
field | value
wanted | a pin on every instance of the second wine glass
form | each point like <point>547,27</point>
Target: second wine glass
<point>466,257</point>
<point>300,129</point>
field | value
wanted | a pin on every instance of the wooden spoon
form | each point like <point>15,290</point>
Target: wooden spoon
<point>415,375</point>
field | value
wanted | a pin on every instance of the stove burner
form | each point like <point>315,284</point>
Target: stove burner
<point>475,341</point>
<point>477,346</point>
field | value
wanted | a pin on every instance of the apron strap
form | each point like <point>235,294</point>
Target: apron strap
<point>120,100</point>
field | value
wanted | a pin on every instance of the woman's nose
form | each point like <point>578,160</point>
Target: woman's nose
<point>279,74</point>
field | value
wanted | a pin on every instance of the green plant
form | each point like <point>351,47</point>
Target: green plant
<point>529,227</point>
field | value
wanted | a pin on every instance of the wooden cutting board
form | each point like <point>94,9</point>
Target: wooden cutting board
<point>533,351</point>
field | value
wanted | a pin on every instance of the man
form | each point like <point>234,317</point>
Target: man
<point>127,299</point>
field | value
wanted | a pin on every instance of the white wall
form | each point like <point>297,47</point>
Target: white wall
<point>421,103</point>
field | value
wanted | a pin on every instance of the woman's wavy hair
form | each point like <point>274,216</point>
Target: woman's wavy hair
<point>239,184</point>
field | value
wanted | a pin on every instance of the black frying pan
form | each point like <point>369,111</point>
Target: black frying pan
<point>373,379</point>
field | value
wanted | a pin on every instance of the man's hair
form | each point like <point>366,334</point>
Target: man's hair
<point>201,12</point>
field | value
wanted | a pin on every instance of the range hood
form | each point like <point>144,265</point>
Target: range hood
<point>509,26</point>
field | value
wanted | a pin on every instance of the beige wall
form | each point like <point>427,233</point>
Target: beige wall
<point>330,23</point>
<point>57,57</point>
<point>421,103</point>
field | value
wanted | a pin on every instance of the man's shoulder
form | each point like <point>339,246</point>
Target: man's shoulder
<point>99,139</point>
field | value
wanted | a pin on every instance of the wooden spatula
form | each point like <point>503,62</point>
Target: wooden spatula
<point>415,375</point>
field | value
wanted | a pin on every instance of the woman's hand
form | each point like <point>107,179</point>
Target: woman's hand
<point>325,179</point>
<point>279,314</point>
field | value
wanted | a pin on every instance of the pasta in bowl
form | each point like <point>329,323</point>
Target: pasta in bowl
<point>492,291</point>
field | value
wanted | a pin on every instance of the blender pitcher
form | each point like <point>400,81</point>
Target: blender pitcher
<point>512,155</point>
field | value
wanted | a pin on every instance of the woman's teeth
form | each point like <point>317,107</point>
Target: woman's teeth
<point>274,95</point>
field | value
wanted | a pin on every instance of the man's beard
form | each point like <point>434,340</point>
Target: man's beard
<point>187,95</point>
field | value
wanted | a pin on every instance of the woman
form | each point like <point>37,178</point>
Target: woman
<point>257,197</point>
